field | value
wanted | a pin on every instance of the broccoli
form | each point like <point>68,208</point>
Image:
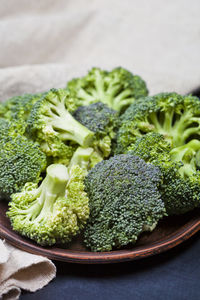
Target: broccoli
<point>174,116</point>
<point>21,160</point>
<point>180,186</point>
<point>17,109</point>
<point>51,124</point>
<point>55,211</point>
<point>101,120</point>
<point>124,201</point>
<point>117,88</point>
<point>85,158</point>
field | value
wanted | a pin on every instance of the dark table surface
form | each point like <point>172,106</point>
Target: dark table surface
<point>173,275</point>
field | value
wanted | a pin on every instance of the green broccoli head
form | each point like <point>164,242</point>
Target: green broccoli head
<point>180,187</point>
<point>17,109</point>
<point>101,120</point>
<point>174,116</point>
<point>21,160</point>
<point>124,201</point>
<point>117,88</point>
<point>54,212</point>
<point>52,124</point>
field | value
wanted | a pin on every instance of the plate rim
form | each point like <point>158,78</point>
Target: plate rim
<point>87,257</point>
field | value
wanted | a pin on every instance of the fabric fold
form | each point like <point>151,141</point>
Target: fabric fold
<point>23,270</point>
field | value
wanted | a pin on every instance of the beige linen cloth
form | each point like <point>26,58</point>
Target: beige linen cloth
<point>45,43</point>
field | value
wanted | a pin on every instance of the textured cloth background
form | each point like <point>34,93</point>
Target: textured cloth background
<point>158,39</point>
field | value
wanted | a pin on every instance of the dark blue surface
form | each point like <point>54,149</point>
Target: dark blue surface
<point>173,275</point>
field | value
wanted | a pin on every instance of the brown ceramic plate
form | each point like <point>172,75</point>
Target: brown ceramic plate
<point>169,233</point>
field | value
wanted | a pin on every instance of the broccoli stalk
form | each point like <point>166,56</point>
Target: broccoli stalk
<point>55,211</point>
<point>85,158</point>
<point>50,118</point>
<point>52,187</point>
<point>187,155</point>
<point>178,131</point>
<point>81,157</point>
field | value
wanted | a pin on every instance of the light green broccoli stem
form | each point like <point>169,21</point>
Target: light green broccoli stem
<point>52,187</point>
<point>180,131</point>
<point>115,98</point>
<point>187,155</point>
<point>81,158</point>
<point>83,95</point>
<point>96,93</point>
<point>65,124</point>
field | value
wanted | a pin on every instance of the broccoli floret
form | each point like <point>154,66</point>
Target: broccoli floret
<point>2,110</point>
<point>124,201</point>
<point>54,127</point>
<point>103,121</point>
<point>180,187</point>
<point>21,160</point>
<point>55,211</point>
<point>117,88</point>
<point>174,116</point>
<point>17,109</point>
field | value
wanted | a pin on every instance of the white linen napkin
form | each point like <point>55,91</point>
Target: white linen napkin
<point>22,270</point>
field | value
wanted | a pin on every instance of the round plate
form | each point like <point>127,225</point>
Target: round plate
<point>170,232</point>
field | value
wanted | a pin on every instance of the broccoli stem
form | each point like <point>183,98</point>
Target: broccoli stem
<point>116,99</point>
<point>187,155</point>
<point>167,125</point>
<point>88,99</point>
<point>154,119</point>
<point>67,127</point>
<point>179,131</point>
<point>52,187</point>
<point>81,157</point>
<point>99,84</point>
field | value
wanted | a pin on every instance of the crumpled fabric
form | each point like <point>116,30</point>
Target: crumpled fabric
<point>21,270</point>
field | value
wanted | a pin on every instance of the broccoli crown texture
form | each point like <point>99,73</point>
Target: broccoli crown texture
<point>174,116</point>
<point>21,160</point>
<point>17,110</point>
<point>124,201</point>
<point>53,126</point>
<point>102,120</point>
<point>117,88</point>
<point>180,187</point>
<point>55,211</point>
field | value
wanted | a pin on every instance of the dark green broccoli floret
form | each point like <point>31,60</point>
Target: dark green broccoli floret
<point>124,201</point>
<point>51,124</point>
<point>180,187</point>
<point>21,160</point>
<point>55,211</point>
<point>102,120</point>
<point>117,88</point>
